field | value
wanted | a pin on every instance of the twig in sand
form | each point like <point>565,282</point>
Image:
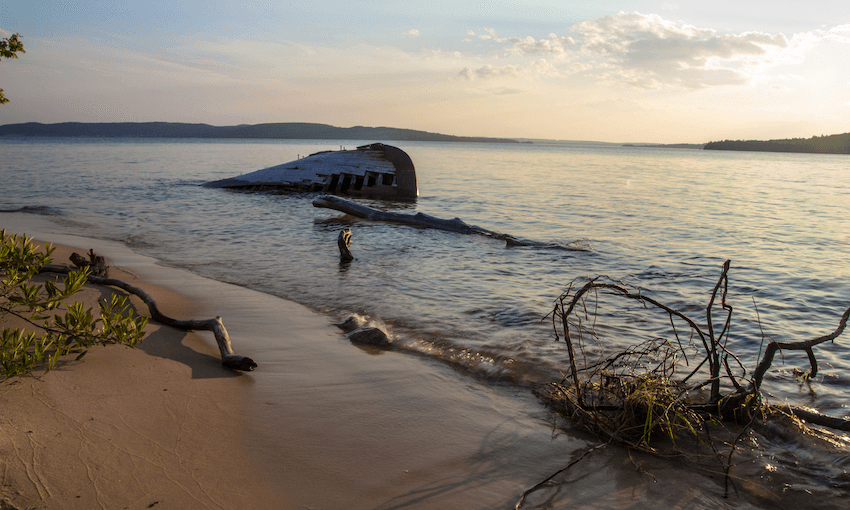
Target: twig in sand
<point>556,473</point>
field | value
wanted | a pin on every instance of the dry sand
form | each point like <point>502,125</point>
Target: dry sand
<point>321,424</point>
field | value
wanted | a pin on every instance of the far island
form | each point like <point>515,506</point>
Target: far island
<point>831,144</point>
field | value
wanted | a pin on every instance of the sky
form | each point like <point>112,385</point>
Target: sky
<point>615,71</point>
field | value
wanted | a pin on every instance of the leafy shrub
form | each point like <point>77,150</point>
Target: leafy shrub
<point>54,328</point>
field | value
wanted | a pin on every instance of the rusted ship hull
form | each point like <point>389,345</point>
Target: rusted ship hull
<point>375,170</point>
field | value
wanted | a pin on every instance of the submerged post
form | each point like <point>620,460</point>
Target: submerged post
<point>344,241</point>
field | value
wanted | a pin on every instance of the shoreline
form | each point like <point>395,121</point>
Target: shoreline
<point>320,424</point>
<point>325,424</point>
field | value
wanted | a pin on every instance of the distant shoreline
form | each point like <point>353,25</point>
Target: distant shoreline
<point>832,144</point>
<point>277,131</point>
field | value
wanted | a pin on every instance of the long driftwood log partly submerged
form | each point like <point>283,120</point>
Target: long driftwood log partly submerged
<point>421,220</point>
<point>229,358</point>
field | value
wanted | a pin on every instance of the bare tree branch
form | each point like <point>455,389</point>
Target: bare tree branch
<point>228,357</point>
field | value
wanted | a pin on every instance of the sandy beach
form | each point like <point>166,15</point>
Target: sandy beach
<point>131,428</point>
<point>321,423</point>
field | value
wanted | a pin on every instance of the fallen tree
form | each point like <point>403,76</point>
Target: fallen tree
<point>636,396</point>
<point>421,220</point>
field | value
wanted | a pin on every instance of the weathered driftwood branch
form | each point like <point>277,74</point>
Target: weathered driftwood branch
<point>812,416</point>
<point>774,346</point>
<point>714,352</point>
<point>344,242</point>
<point>228,357</point>
<point>421,220</point>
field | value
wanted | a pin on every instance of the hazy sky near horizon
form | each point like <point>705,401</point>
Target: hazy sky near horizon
<point>618,71</point>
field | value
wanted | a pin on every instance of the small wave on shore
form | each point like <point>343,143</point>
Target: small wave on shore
<point>35,209</point>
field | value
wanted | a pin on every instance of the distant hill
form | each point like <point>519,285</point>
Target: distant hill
<point>288,130</point>
<point>832,144</point>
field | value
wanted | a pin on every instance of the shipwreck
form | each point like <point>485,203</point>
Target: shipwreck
<point>375,170</point>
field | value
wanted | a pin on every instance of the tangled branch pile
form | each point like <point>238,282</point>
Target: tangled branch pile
<point>667,387</point>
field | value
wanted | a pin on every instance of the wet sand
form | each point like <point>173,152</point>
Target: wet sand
<point>321,424</point>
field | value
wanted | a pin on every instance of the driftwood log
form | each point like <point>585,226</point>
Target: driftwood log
<point>229,358</point>
<point>421,220</point>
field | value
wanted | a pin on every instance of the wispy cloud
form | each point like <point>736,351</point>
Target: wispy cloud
<point>411,33</point>
<point>553,46</point>
<point>488,71</point>
<point>528,70</point>
<point>840,33</point>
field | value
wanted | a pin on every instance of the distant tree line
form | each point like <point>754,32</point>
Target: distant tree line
<point>831,144</point>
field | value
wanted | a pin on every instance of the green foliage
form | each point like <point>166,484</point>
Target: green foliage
<point>9,48</point>
<point>56,329</point>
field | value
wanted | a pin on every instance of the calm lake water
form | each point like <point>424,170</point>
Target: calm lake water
<point>662,220</point>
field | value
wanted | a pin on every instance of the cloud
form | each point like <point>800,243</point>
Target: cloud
<point>637,38</point>
<point>488,71</point>
<point>840,33</point>
<point>491,34</point>
<point>411,33</point>
<point>551,46</point>
<point>505,91</point>
<point>519,46</point>
<point>647,51</point>
<point>533,69</point>
<point>668,53</point>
